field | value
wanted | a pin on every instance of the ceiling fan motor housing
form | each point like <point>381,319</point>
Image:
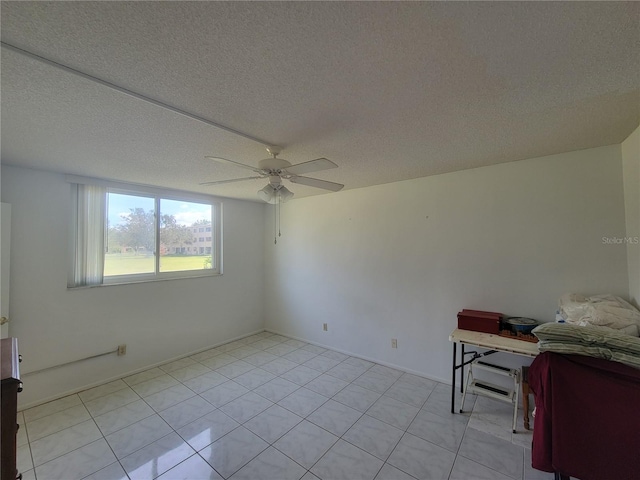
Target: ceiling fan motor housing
<point>275,181</point>
<point>273,164</point>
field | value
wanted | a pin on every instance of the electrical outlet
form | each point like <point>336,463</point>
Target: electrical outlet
<point>394,343</point>
<point>122,349</point>
<point>325,327</point>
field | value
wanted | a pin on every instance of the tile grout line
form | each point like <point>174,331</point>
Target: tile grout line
<point>276,403</point>
<point>361,415</point>
<point>103,437</point>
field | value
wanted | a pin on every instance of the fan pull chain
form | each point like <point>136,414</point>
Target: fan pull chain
<point>279,213</point>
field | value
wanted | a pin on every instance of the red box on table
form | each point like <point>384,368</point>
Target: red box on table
<point>479,321</point>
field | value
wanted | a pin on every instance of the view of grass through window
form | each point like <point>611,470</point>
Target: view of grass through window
<point>185,235</point>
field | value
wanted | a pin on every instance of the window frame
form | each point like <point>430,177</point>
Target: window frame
<point>157,194</point>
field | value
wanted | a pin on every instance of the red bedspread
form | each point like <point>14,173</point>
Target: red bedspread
<point>587,422</point>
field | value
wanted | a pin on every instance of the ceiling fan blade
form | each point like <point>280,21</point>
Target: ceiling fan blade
<point>238,164</point>
<point>314,182</point>
<point>311,166</point>
<point>233,180</point>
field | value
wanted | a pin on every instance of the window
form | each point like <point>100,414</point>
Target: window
<point>128,234</point>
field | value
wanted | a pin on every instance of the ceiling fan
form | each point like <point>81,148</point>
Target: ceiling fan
<point>276,169</point>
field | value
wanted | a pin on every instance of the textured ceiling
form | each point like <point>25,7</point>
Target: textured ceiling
<point>387,90</point>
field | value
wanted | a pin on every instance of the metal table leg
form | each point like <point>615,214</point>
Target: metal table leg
<point>453,379</point>
<point>461,369</point>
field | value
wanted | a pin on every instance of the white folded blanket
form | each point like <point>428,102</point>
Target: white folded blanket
<point>604,310</point>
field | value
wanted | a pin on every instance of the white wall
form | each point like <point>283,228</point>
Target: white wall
<point>400,260</point>
<point>157,321</point>
<point>631,175</point>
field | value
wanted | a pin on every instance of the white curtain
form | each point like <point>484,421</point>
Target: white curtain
<point>90,235</point>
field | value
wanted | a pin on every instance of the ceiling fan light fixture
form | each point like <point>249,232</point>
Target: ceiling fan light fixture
<point>285,194</point>
<point>271,194</point>
<point>267,194</point>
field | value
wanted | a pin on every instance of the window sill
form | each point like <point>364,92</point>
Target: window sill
<point>146,280</point>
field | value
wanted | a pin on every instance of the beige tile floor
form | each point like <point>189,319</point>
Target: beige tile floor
<point>273,408</point>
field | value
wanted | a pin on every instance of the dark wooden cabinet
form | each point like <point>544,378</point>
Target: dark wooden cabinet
<point>11,386</point>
